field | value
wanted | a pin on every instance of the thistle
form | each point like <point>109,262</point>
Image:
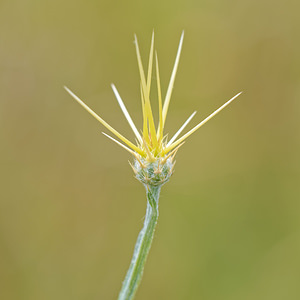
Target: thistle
<point>154,155</point>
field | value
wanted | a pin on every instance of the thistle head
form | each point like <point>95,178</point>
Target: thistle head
<point>153,153</point>
<point>154,173</point>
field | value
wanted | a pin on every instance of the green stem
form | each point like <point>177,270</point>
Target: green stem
<point>142,246</point>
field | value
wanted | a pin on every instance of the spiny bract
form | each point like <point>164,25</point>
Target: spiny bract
<point>154,154</point>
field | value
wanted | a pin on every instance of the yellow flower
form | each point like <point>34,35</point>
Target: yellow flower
<point>151,144</point>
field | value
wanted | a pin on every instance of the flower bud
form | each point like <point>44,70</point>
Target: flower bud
<point>154,173</point>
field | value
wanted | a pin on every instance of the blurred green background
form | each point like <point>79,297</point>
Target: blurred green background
<point>229,218</point>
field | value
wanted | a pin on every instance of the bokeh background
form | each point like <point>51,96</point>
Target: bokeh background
<point>70,209</point>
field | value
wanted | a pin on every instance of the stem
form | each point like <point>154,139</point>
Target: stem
<point>142,246</point>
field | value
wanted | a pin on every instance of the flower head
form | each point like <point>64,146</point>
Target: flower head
<point>154,153</point>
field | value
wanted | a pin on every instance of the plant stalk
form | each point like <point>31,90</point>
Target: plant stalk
<point>142,246</point>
